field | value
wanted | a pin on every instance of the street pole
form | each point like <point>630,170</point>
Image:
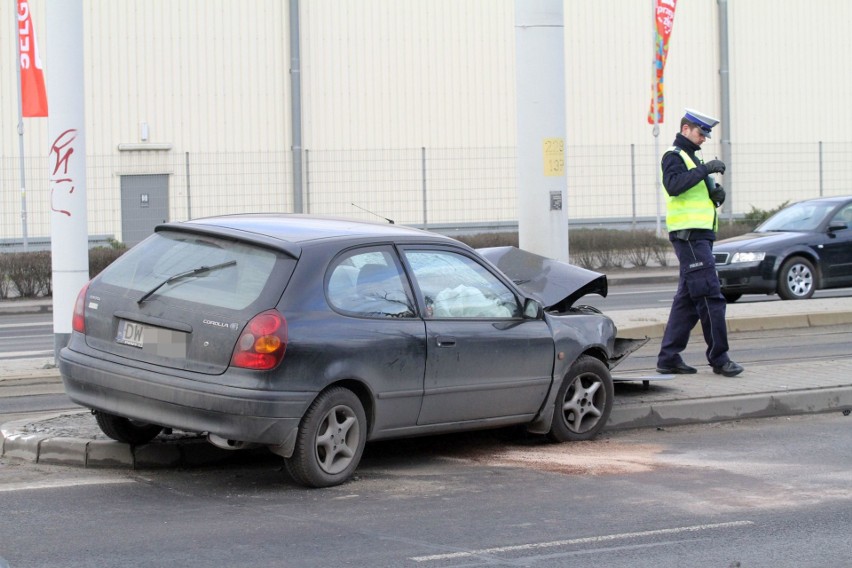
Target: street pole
<point>69,235</point>
<point>725,98</point>
<point>21,137</point>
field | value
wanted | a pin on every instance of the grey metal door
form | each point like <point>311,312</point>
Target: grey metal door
<point>144,204</point>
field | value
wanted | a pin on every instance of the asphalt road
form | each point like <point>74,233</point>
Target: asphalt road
<point>25,336</point>
<point>757,493</point>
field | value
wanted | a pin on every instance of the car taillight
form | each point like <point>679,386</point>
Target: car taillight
<point>78,321</point>
<point>262,343</point>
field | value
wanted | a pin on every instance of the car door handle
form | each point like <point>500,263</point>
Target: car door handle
<point>444,341</point>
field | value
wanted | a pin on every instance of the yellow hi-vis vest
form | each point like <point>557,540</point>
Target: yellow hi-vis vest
<point>692,209</point>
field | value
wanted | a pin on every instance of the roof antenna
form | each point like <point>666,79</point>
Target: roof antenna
<point>371,213</point>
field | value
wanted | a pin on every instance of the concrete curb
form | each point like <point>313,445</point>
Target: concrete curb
<point>621,279</point>
<point>656,329</point>
<point>726,408</point>
<point>46,448</point>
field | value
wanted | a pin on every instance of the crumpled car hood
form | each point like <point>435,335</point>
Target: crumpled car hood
<point>554,283</point>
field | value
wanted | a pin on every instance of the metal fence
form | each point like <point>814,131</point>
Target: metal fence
<point>424,187</point>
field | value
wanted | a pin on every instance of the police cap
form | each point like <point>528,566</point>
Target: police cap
<point>702,121</point>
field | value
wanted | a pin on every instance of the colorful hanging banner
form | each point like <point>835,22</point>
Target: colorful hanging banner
<point>664,20</point>
<point>33,92</point>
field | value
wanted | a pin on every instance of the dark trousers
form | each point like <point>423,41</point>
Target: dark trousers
<point>698,298</point>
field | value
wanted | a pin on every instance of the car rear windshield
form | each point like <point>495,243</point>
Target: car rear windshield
<point>196,268</point>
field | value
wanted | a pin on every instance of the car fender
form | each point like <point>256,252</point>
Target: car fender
<point>575,334</point>
<point>807,252</point>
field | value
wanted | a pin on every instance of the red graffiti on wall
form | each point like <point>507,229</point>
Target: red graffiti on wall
<point>62,150</point>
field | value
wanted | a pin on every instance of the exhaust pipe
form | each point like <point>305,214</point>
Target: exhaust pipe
<point>226,444</point>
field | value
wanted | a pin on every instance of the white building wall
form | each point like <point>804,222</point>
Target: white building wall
<point>428,80</point>
<point>789,93</point>
<point>391,88</point>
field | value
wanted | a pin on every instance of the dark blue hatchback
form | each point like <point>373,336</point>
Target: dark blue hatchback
<point>313,336</point>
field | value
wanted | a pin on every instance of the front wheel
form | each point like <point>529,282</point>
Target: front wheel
<point>584,401</point>
<point>331,439</point>
<point>796,279</point>
<point>126,430</point>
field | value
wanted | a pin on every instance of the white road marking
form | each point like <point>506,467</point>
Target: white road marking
<point>574,541</point>
<point>60,483</point>
<point>11,325</point>
<point>637,292</point>
<point>11,354</point>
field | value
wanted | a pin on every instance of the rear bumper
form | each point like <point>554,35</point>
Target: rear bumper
<point>259,416</point>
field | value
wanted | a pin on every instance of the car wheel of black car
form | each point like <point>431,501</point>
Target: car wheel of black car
<point>126,430</point>
<point>331,439</point>
<point>731,297</point>
<point>584,401</point>
<point>797,279</point>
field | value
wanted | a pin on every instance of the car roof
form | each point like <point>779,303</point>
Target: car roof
<point>828,199</point>
<point>297,230</point>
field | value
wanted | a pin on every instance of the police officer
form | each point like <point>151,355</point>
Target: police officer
<point>691,202</point>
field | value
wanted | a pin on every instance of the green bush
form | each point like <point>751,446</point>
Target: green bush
<point>734,229</point>
<point>30,274</point>
<point>757,216</point>
<point>101,257</point>
<point>594,248</point>
<point>487,240</point>
<point>597,248</point>
<point>5,281</point>
<point>647,245</point>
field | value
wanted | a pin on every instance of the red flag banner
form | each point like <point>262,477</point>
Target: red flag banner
<point>33,92</point>
<point>664,20</point>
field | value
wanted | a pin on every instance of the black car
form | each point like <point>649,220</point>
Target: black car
<point>804,247</point>
<point>312,336</point>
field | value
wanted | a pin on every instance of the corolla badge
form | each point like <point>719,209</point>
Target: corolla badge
<point>226,325</point>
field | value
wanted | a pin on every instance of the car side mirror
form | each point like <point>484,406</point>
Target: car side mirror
<point>837,226</point>
<point>533,309</point>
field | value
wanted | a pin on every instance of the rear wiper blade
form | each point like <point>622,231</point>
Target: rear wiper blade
<point>189,273</point>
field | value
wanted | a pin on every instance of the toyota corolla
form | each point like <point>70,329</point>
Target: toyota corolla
<point>313,336</point>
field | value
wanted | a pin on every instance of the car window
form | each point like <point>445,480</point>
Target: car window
<point>369,283</point>
<point>236,284</point>
<point>844,215</point>
<point>456,286</point>
<point>804,216</point>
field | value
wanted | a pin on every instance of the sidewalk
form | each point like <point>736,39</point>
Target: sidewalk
<point>763,390</point>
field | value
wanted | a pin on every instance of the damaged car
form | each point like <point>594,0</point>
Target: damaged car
<point>313,336</point>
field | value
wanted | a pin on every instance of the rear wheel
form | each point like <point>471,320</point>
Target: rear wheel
<point>331,439</point>
<point>731,297</point>
<point>126,430</point>
<point>584,401</point>
<point>797,279</point>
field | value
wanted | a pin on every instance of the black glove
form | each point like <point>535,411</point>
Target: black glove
<point>715,167</point>
<point>717,195</point>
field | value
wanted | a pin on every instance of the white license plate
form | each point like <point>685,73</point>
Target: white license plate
<point>131,333</point>
<point>152,340</point>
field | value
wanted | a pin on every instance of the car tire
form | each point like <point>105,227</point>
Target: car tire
<point>330,441</point>
<point>797,279</point>
<point>731,297</point>
<point>584,401</point>
<point>126,430</point>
